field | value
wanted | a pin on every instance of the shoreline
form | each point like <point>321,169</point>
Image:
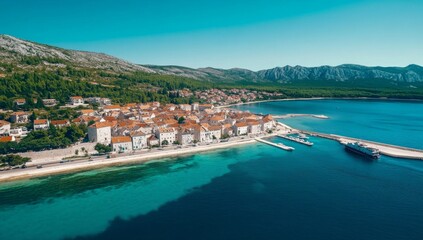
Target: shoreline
<point>54,168</point>
<point>323,98</point>
<point>20,174</point>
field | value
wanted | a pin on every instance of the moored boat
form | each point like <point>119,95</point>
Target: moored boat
<point>361,149</point>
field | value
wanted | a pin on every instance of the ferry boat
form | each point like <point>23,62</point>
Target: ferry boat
<point>361,149</point>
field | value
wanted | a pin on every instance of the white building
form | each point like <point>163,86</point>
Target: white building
<point>100,132</point>
<point>215,131</point>
<point>20,101</point>
<point>51,102</point>
<point>4,127</point>
<point>98,100</point>
<point>201,134</point>
<point>195,107</point>
<point>185,107</point>
<point>254,127</point>
<point>241,128</point>
<point>122,144</point>
<point>41,124</point>
<point>267,123</point>
<point>185,137</point>
<point>168,134</point>
<point>18,132</point>
<point>139,140</point>
<point>19,117</point>
<point>76,101</point>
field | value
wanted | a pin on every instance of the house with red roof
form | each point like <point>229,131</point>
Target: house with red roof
<point>41,124</point>
<point>122,144</point>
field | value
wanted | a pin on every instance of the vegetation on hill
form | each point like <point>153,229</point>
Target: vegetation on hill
<point>145,87</point>
<point>62,83</point>
<point>52,138</point>
<point>36,71</point>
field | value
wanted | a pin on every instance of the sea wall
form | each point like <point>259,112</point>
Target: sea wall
<point>58,154</point>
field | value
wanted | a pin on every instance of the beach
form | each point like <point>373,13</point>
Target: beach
<point>142,157</point>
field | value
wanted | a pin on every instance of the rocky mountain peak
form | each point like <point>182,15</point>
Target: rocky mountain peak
<point>13,49</point>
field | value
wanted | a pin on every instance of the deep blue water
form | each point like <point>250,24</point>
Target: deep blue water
<point>249,192</point>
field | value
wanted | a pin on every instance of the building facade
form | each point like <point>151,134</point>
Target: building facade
<point>100,132</point>
<point>19,117</point>
<point>122,144</point>
<point>4,128</point>
<point>166,134</point>
<point>41,124</point>
<point>241,128</point>
<point>139,140</point>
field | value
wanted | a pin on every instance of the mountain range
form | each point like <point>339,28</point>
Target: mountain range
<point>15,51</point>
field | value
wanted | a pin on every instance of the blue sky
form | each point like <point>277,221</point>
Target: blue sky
<point>238,33</point>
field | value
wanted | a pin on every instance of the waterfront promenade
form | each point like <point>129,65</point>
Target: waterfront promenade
<point>53,166</point>
<point>102,161</point>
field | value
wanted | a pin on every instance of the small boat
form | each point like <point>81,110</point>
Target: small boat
<point>302,136</point>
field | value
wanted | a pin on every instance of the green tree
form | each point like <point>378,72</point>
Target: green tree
<point>225,136</point>
<point>181,120</point>
<point>13,160</point>
<point>101,148</point>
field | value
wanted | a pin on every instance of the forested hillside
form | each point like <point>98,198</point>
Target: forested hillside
<point>35,71</point>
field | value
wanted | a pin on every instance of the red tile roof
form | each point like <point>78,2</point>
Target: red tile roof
<point>2,123</point>
<point>40,121</point>
<point>121,139</point>
<point>241,124</point>
<point>59,122</point>
<point>100,125</point>
<point>6,139</point>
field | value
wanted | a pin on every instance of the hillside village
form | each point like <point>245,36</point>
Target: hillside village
<point>135,126</point>
<point>221,97</point>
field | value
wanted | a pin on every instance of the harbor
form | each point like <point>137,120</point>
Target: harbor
<point>278,145</point>
<point>384,149</point>
<point>319,116</point>
<point>296,139</point>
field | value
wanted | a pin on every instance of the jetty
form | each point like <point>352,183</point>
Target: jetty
<point>278,145</point>
<point>384,149</point>
<point>294,139</point>
<point>320,116</point>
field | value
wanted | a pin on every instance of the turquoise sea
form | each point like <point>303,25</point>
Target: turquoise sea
<point>249,192</point>
<point>395,122</point>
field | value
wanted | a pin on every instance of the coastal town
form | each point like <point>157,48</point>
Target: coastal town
<point>221,97</point>
<point>135,127</point>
